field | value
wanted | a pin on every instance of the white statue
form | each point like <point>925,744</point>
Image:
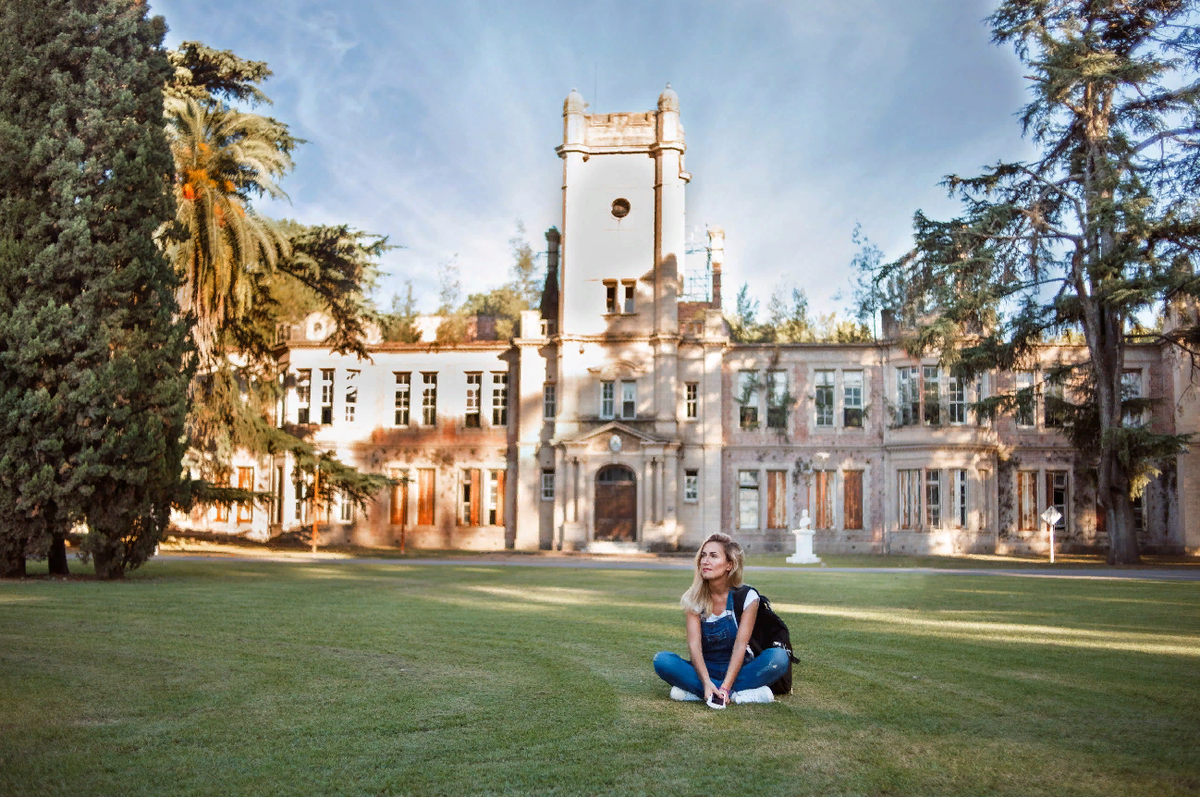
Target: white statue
<point>804,542</point>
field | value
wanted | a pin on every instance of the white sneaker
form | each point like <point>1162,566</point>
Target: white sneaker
<point>680,694</point>
<point>762,694</point>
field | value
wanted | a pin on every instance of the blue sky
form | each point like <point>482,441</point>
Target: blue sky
<point>435,123</point>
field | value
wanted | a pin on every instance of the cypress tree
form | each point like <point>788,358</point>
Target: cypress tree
<point>94,358</point>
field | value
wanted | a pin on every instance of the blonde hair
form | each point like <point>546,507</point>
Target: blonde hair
<point>698,598</point>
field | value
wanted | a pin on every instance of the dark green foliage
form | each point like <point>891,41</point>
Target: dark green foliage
<point>1104,225</point>
<point>94,360</point>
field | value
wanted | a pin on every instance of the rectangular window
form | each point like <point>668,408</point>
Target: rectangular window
<point>303,394</point>
<point>1131,388</point>
<point>468,509</point>
<point>547,484</point>
<point>1139,514</point>
<point>474,391</point>
<point>908,400</point>
<point>932,392</point>
<point>691,486</point>
<point>351,395</point>
<point>1027,513</point>
<point>852,499</point>
<point>1053,405</point>
<point>549,401</point>
<point>302,491</point>
<point>281,406</point>
<point>221,512</point>
<point>277,495</point>
<point>777,399</point>
<point>956,389</point>
<point>933,499</point>
<point>748,399</point>
<point>691,399</point>
<point>402,398</point>
<point>425,496</point>
<point>496,498</point>
<point>747,499</point>
<point>958,497</point>
<point>777,514</point>
<point>610,297</point>
<point>346,509</point>
<point>245,511</point>
<point>1026,401</point>
<point>429,399</point>
<point>908,493</point>
<point>326,396</point>
<point>607,399</point>
<point>824,503</point>
<point>852,403</point>
<point>399,508</point>
<point>824,383</point>
<point>629,399</point>
<point>1056,496</point>
<point>500,399</point>
<point>629,289</point>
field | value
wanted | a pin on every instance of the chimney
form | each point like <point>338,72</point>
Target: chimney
<point>549,306</point>
<point>716,256</point>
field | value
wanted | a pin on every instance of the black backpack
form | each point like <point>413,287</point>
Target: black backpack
<point>770,631</point>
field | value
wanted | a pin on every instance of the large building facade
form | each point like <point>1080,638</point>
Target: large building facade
<point>622,416</point>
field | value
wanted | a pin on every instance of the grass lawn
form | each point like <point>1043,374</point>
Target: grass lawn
<point>263,678</point>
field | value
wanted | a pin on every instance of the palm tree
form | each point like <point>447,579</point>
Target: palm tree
<point>220,245</point>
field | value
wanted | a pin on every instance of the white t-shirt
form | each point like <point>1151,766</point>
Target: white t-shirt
<point>751,597</point>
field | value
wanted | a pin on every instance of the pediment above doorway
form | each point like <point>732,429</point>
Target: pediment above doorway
<point>614,438</point>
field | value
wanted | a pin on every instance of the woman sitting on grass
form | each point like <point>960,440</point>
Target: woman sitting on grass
<point>718,644</point>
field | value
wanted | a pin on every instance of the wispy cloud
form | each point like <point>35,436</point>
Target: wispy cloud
<point>435,123</point>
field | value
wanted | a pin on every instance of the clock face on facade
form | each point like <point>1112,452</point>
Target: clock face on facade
<point>614,443</point>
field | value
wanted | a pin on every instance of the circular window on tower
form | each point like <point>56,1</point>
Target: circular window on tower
<point>620,208</point>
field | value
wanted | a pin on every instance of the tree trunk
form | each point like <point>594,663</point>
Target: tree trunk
<point>58,555</point>
<point>1122,536</point>
<point>108,567</point>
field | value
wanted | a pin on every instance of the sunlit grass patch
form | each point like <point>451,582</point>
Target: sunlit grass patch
<point>242,677</point>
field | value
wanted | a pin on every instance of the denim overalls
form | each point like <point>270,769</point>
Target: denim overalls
<point>717,638</point>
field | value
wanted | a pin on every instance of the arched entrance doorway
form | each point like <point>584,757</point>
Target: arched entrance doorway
<point>616,503</point>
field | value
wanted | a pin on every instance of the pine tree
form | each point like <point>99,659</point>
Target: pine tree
<point>94,359</point>
<point>1102,226</point>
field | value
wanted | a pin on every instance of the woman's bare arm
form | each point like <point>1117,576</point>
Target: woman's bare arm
<point>697,653</point>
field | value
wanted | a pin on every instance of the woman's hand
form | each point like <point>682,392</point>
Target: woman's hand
<point>710,690</point>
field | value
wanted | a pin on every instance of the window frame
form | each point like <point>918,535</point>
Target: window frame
<point>691,400</point>
<point>549,401</point>
<point>824,397</point>
<point>429,386</point>
<point>472,418</point>
<point>748,411</point>
<point>852,403</point>
<point>547,484</point>
<point>628,399</point>
<point>747,484</point>
<point>303,395</point>
<point>402,391</point>
<point>499,398</point>
<point>691,486</point>
<point>350,396</point>
<point>328,382</point>
<point>1025,412</point>
<point>608,399</point>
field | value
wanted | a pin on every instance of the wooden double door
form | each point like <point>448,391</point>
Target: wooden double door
<point>616,504</point>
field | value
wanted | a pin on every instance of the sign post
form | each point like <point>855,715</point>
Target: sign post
<point>1051,516</point>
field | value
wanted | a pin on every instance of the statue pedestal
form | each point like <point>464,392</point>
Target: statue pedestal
<point>804,548</point>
